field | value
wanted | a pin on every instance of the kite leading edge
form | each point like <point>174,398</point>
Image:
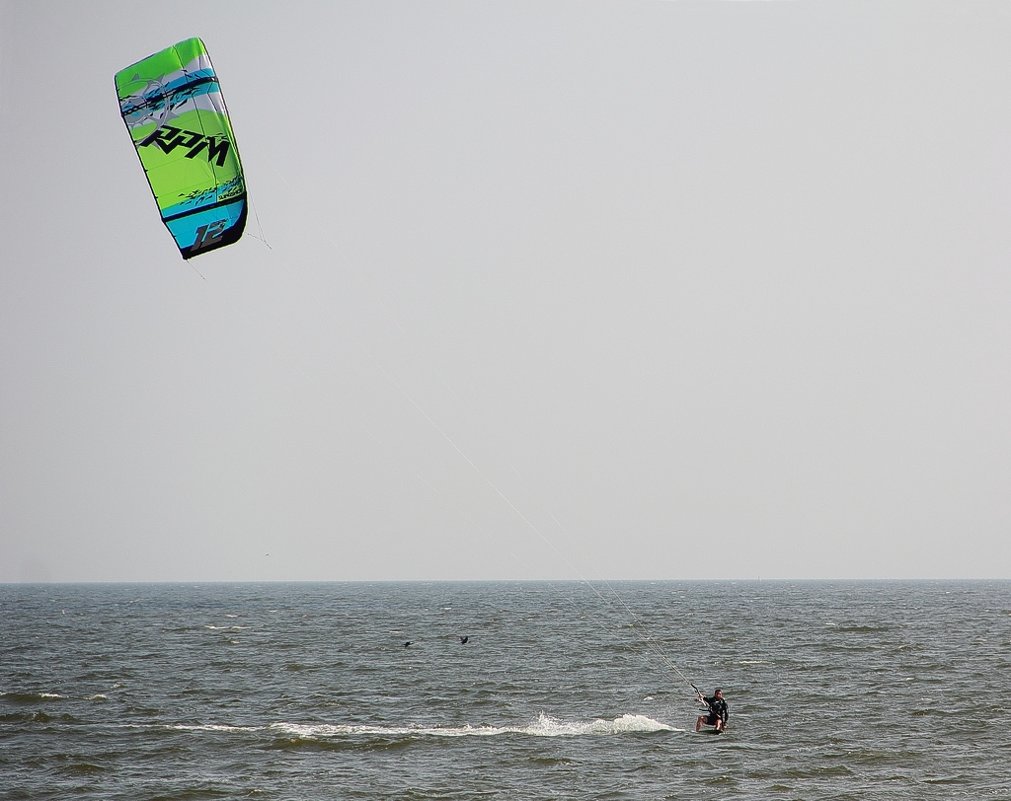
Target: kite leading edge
<point>173,108</point>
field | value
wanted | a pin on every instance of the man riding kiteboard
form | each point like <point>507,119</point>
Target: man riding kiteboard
<point>718,714</point>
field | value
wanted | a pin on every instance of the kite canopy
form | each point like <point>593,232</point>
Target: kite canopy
<point>173,108</point>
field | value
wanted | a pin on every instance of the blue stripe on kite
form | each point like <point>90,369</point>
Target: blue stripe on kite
<point>128,107</point>
<point>185,229</point>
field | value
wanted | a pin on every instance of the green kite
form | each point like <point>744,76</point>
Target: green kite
<point>172,106</point>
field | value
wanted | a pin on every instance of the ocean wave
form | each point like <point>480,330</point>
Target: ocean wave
<point>83,769</point>
<point>212,727</point>
<point>25,717</point>
<point>30,698</point>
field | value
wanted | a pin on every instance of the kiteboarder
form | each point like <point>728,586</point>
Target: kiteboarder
<point>718,714</point>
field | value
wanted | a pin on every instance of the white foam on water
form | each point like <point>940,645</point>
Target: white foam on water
<point>211,727</point>
<point>544,726</point>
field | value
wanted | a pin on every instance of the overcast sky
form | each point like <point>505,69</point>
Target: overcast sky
<point>532,290</point>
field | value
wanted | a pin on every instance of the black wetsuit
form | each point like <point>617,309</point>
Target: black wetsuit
<point>717,710</point>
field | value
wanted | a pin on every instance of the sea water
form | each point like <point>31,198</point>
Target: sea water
<point>846,690</point>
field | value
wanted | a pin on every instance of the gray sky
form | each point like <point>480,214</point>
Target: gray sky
<point>553,289</point>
